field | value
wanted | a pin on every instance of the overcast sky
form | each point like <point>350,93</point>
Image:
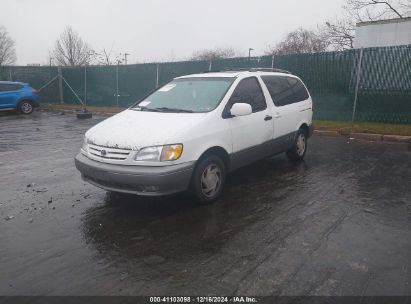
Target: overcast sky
<point>153,30</point>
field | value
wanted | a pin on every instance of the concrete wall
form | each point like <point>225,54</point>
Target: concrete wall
<point>383,33</point>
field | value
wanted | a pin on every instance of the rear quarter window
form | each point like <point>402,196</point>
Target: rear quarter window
<point>285,90</point>
<point>6,87</point>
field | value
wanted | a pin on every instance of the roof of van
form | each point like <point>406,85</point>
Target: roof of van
<point>233,74</point>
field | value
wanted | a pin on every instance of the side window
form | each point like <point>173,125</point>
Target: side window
<point>249,91</point>
<point>5,87</point>
<point>300,92</point>
<point>285,90</point>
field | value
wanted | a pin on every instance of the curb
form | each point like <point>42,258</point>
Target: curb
<point>327,133</point>
<point>397,138</point>
<point>367,136</point>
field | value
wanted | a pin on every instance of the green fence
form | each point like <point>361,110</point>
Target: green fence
<point>372,84</point>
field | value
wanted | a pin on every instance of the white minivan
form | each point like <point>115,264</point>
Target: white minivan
<point>191,132</point>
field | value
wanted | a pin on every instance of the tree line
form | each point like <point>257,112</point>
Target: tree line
<point>334,35</point>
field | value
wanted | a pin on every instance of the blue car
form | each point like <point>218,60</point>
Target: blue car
<point>18,96</point>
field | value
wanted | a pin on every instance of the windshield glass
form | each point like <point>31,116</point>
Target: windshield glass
<point>187,95</point>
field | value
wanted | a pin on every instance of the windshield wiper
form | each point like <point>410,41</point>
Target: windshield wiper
<point>144,109</point>
<point>166,109</point>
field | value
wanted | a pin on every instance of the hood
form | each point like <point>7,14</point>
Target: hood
<point>136,129</point>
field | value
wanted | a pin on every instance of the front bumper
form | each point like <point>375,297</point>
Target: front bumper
<point>141,180</point>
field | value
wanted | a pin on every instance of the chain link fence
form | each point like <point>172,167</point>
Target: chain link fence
<point>372,84</point>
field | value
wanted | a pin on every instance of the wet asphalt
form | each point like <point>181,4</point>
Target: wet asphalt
<point>337,224</point>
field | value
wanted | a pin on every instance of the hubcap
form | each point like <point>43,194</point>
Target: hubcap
<point>26,107</point>
<point>301,144</point>
<point>211,180</point>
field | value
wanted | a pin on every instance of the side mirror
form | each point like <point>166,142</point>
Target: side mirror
<point>241,109</point>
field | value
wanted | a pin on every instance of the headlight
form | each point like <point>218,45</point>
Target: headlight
<point>85,144</point>
<point>160,153</point>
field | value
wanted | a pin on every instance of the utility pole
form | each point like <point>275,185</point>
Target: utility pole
<point>125,57</point>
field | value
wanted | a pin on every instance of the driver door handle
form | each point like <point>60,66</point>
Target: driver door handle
<point>268,117</point>
<point>277,115</point>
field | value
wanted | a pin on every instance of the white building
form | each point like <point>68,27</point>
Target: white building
<point>383,33</point>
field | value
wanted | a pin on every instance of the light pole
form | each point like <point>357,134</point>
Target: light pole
<point>249,54</point>
<point>125,57</point>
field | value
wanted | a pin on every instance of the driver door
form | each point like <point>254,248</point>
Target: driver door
<point>251,134</point>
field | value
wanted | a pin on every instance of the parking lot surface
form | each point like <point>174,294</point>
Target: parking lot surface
<point>337,224</point>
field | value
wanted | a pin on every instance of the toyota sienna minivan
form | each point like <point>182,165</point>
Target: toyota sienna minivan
<point>190,133</point>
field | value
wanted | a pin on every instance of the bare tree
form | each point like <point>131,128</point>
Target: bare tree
<point>370,10</point>
<point>105,57</point>
<point>212,54</point>
<point>7,48</point>
<point>108,57</point>
<point>405,6</point>
<point>71,50</point>
<point>300,41</point>
<point>339,35</point>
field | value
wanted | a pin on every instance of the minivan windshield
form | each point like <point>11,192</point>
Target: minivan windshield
<point>187,95</point>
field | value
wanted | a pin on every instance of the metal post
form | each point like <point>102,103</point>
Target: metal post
<point>272,62</point>
<point>10,77</point>
<point>157,74</point>
<point>117,83</point>
<point>85,84</point>
<point>210,65</point>
<point>357,85</point>
<point>60,76</point>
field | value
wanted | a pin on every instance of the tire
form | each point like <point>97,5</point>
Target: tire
<point>84,115</point>
<point>26,107</point>
<point>208,189</point>
<point>297,152</point>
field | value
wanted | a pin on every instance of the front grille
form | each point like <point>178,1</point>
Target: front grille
<point>108,153</point>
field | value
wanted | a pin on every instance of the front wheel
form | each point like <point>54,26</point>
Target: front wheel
<point>208,179</point>
<point>299,148</point>
<point>26,107</point>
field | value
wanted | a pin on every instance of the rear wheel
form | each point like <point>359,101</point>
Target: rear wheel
<point>26,107</point>
<point>297,152</point>
<point>208,179</point>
